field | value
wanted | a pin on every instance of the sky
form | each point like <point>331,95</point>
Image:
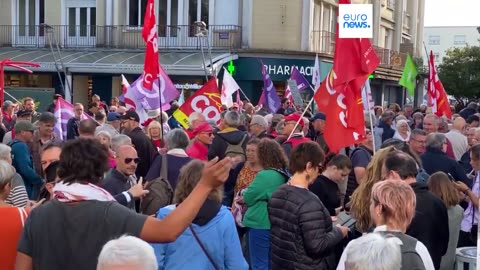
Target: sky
<point>452,13</point>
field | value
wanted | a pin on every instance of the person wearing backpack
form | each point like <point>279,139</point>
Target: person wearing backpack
<point>392,208</point>
<point>297,135</point>
<point>229,142</point>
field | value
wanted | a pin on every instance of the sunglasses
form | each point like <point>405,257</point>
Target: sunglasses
<point>129,160</point>
<point>208,133</point>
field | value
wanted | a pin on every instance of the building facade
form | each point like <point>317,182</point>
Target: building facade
<point>439,39</point>
<point>99,40</point>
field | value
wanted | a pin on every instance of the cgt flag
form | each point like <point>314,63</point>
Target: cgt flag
<point>436,92</point>
<point>206,101</point>
<point>150,36</point>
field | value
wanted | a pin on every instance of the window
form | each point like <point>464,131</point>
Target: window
<point>136,11</point>
<point>436,57</point>
<point>31,13</point>
<point>433,40</point>
<point>391,4</point>
<point>168,9</point>
<point>459,39</point>
<point>197,11</point>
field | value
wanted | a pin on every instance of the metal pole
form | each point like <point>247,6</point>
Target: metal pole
<point>203,57</point>
<point>210,53</point>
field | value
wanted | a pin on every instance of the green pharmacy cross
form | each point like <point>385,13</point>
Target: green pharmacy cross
<point>231,67</point>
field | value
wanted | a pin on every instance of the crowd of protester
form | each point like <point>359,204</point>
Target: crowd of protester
<point>254,191</point>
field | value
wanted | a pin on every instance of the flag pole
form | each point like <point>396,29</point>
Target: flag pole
<point>301,117</point>
<point>371,120</point>
<point>161,109</point>
<point>241,91</point>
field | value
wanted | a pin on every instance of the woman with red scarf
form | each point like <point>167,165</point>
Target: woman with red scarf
<point>203,137</point>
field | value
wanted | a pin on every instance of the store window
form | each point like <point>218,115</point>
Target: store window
<point>29,80</point>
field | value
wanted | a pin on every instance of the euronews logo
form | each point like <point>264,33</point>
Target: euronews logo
<point>355,21</point>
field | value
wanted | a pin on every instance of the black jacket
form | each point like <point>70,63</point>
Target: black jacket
<point>72,128</point>
<point>302,234</point>
<point>430,223</point>
<point>145,149</point>
<point>435,160</point>
<point>115,183</point>
<point>388,131</point>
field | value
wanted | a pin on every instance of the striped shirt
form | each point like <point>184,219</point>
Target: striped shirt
<point>18,194</point>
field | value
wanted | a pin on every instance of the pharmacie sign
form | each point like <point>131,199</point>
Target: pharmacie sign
<point>286,69</point>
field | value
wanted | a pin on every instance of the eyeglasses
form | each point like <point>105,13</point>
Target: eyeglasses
<point>208,133</point>
<point>129,160</point>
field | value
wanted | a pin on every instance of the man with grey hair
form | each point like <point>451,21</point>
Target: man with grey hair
<point>176,157</point>
<point>41,137</point>
<point>229,135</point>
<point>258,127</point>
<point>127,253</point>
<point>431,124</point>
<point>435,159</point>
<point>372,251</point>
<point>231,142</point>
<point>8,108</point>
<point>120,139</point>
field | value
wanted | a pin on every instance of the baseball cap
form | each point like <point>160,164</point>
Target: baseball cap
<point>319,116</point>
<point>112,116</point>
<point>24,125</point>
<point>294,117</point>
<point>23,113</point>
<point>131,115</point>
<point>153,113</point>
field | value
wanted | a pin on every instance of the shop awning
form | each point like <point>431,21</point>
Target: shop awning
<point>118,62</point>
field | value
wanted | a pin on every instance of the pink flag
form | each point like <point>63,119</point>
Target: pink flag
<point>131,100</point>
<point>63,112</point>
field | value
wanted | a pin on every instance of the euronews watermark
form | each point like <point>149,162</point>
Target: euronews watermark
<point>355,21</point>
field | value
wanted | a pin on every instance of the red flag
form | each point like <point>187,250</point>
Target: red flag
<point>149,34</point>
<point>206,100</point>
<point>354,59</point>
<point>322,94</point>
<point>339,96</point>
<point>436,91</point>
<point>345,124</point>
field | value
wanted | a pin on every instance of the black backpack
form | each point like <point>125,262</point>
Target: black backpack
<point>160,192</point>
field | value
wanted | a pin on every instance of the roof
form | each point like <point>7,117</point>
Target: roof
<point>111,61</point>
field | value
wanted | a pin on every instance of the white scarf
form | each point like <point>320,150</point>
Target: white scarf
<point>77,192</point>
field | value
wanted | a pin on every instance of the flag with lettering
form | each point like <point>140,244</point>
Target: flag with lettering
<point>63,112</point>
<point>316,75</point>
<point>206,101</point>
<point>436,91</point>
<point>272,101</point>
<point>409,75</point>
<point>150,36</point>
<point>302,83</point>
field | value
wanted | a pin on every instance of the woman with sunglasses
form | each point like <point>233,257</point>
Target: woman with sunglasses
<point>203,137</point>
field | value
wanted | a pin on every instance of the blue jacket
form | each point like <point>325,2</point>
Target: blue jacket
<point>218,235</point>
<point>22,161</point>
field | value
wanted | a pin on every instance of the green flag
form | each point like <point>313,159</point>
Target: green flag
<point>409,75</point>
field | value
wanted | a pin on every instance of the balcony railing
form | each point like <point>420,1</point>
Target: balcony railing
<point>323,42</point>
<point>390,57</point>
<point>120,36</point>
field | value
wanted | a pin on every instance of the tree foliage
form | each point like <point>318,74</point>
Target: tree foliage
<point>460,72</point>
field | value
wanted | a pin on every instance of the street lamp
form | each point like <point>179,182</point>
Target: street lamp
<point>203,32</point>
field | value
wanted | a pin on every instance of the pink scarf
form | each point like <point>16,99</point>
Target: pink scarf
<point>77,192</point>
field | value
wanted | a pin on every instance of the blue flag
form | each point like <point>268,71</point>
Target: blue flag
<point>271,99</point>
